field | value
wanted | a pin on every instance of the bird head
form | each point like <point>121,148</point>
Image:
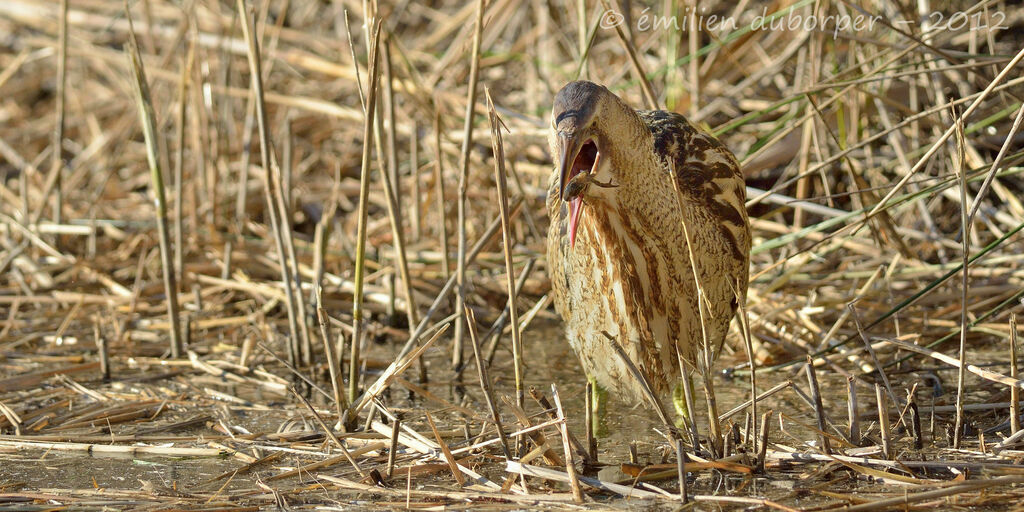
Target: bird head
<point>576,140</point>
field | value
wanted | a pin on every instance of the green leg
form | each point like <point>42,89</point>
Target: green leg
<point>598,403</point>
<point>684,421</point>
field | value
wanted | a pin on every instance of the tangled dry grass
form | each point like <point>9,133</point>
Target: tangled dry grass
<point>357,179</point>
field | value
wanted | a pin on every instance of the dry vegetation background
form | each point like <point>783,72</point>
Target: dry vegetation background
<point>866,153</point>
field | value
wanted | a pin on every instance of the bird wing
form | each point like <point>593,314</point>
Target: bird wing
<point>707,179</point>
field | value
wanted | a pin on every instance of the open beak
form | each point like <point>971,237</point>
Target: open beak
<point>573,161</point>
<point>570,145</point>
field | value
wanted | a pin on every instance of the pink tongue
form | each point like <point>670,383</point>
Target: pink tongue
<point>575,210</point>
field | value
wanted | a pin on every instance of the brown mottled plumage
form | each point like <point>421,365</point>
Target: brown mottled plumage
<point>628,270</point>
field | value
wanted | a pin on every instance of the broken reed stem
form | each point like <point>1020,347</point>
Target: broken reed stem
<point>364,204</point>
<point>269,188</point>
<point>852,410</point>
<point>819,409</point>
<point>452,464</point>
<point>485,382</point>
<point>506,236</point>
<point>1014,391</point>
<point>550,409</point>
<point>396,424</point>
<point>104,352</point>
<point>328,432</point>
<point>915,423</point>
<point>965,235</point>
<point>681,469</point>
<point>148,121</point>
<point>467,143</point>
<point>883,421</point>
<point>570,464</point>
<point>762,445</point>
<point>333,361</point>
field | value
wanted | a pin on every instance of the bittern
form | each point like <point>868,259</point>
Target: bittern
<point>649,243</point>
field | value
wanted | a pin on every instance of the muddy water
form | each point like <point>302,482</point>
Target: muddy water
<point>549,360</point>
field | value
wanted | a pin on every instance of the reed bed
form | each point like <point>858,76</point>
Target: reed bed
<point>295,252</point>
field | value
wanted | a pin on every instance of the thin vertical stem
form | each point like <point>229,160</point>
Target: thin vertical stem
<point>467,142</point>
<point>506,236</point>
<point>852,410</point>
<point>883,421</point>
<point>364,193</point>
<point>58,132</point>
<point>179,162</point>
<point>304,346</point>
<point>446,265</point>
<point>570,464</point>
<point>270,190</point>
<point>485,382</point>
<point>1014,390</point>
<point>148,121</point>
<point>819,409</point>
<point>965,233</point>
<point>414,172</point>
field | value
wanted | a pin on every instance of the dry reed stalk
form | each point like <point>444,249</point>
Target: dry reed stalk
<point>499,178</point>
<point>393,447</point>
<point>949,131</point>
<point>333,360</point>
<point>330,434</point>
<point>271,192</point>
<point>852,411</point>
<point>748,346</point>
<point>456,472</point>
<point>965,234</point>
<point>570,463</point>
<point>179,162</point>
<point>446,267</point>
<point>282,183</point>
<point>144,104</point>
<point>364,192</point>
<point>1014,391</point>
<point>681,470</point>
<point>915,423</point>
<point>460,261</point>
<point>819,409</point>
<point>414,172</point>
<point>762,445</point>
<point>551,413</point>
<point>883,422</point>
<point>389,177</point>
<point>485,383</point>
<point>57,167</point>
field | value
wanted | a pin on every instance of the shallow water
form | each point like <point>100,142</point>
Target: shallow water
<point>549,360</point>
